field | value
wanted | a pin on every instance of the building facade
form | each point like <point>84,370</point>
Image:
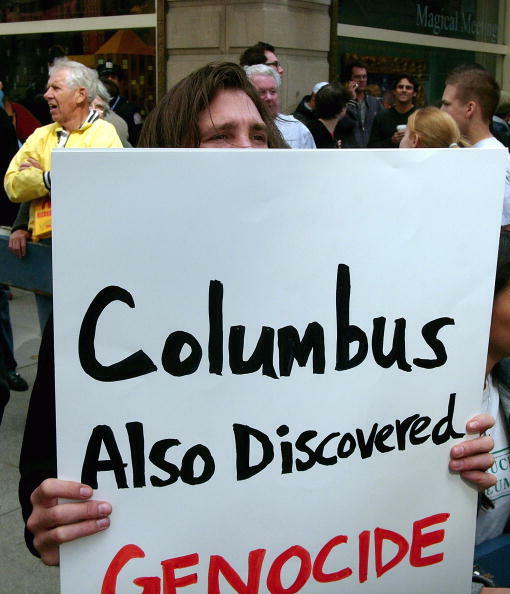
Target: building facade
<point>157,42</point>
<point>426,38</point>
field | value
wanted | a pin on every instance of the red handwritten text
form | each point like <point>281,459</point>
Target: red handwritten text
<point>309,569</point>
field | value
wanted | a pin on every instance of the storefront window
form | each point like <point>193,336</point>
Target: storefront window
<point>429,65</point>
<point>26,59</point>
<point>476,20</point>
<point>30,10</point>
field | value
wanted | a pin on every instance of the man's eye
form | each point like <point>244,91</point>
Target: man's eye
<point>260,137</point>
<point>219,137</point>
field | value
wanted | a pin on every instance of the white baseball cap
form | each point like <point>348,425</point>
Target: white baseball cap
<point>318,87</point>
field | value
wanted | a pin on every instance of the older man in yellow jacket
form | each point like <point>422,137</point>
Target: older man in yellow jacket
<point>71,88</point>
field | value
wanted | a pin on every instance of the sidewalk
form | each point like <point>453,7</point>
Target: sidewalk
<point>20,572</point>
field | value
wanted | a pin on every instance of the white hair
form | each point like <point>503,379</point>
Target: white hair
<point>77,76</point>
<point>103,94</point>
<point>264,70</point>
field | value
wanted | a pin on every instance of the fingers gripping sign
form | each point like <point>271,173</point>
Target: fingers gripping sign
<point>472,457</point>
<point>53,523</point>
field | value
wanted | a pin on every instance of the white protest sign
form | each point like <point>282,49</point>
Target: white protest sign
<point>307,335</point>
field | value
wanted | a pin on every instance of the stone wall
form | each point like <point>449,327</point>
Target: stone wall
<point>201,31</point>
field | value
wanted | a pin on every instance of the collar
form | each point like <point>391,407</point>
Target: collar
<point>89,120</point>
<point>409,111</point>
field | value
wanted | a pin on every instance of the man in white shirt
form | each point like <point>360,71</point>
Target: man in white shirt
<point>267,82</point>
<point>471,96</point>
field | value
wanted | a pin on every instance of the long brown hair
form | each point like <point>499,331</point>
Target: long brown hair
<point>173,123</point>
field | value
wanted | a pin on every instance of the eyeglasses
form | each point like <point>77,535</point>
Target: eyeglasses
<point>276,64</point>
<point>359,77</point>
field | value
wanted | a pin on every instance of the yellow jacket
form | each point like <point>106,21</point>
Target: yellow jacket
<point>32,183</point>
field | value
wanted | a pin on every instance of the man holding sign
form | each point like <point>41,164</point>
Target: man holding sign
<point>228,113</point>
<point>246,125</point>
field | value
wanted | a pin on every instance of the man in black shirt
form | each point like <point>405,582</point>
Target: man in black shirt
<point>384,131</point>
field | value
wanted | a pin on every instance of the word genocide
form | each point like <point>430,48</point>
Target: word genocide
<point>368,553</point>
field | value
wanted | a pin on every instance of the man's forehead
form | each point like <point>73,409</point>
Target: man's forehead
<point>405,81</point>
<point>265,80</point>
<point>451,93</point>
<point>226,102</point>
<point>59,76</point>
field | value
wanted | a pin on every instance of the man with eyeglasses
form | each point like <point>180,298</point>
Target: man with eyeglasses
<point>354,129</point>
<point>262,53</point>
<point>389,125</point>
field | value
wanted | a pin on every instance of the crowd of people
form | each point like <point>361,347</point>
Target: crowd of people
<point>223,106</point>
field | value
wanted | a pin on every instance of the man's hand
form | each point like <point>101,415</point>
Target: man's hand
<point>351,87</point>
<point>472,457</point>
<point>53,523</point>
<point>30,163</point>
<point>18,242</point>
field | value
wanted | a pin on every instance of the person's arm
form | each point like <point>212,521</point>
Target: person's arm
<point>18,242</point>
<point>26,178</point>
<point>19,232</point>
<point>48,522</point>
<point>22,218</point>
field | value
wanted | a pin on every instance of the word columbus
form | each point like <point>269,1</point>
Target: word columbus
<point>291,347</point>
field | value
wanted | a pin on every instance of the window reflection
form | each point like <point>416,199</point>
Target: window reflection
<point>25,68</point>
<point>28,10</point>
